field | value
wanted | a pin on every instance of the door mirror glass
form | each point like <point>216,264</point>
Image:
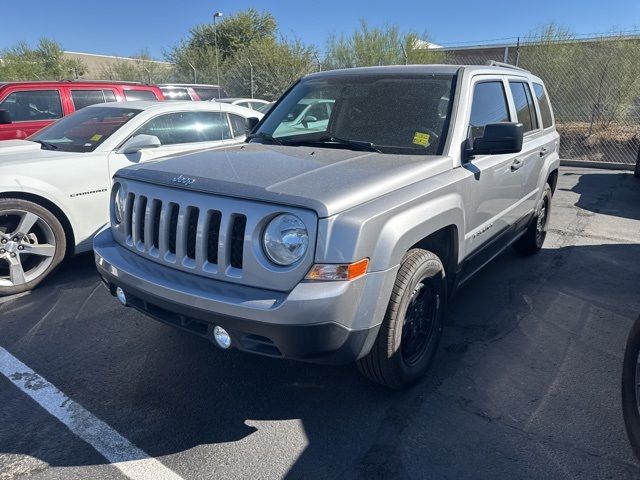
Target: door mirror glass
<point>138,142</point>
<point>5,117</point>
<point>498,138</point>
<point>250,124</point>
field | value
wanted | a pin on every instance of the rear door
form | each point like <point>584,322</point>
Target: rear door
<point>531,156</point>
<point>31,109</point>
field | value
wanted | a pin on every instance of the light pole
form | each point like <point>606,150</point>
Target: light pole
<point>215,40</point>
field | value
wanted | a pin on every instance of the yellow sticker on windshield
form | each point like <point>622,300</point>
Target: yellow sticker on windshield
<point>96,137</point>
<point>421,139</point>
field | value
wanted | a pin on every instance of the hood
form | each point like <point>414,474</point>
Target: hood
<point>327,180</point>
<point>22,151</point>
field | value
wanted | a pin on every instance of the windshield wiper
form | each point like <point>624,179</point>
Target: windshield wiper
<point>356,144</point>
<point>46,145</point>
<point>265,136</point>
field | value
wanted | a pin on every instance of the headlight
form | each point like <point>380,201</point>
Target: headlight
<point>285,239</point>
<point>119,202</point>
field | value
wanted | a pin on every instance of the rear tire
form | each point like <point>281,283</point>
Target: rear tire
<point>533,239</point>
<point>410,332</point>
<point>32,245</point>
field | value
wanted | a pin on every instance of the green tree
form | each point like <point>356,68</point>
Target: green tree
<point>276,65</point>
<point>368,46</point>
<point>44,62</point>
<point>138,68</point>
<point>234,33</point>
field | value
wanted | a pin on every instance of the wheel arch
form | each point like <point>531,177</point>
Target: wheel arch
<point>53,208</point>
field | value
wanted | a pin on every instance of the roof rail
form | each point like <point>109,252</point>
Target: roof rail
<point>493,63</point>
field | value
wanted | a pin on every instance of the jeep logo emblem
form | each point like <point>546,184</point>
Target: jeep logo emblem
<point>182,180</point>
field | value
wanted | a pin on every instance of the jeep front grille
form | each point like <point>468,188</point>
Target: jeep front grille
<point>208,235</point>
<point>170,231</point>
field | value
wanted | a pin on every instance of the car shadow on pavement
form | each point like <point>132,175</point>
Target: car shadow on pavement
<point>608,193</point>
<point>487,405</point>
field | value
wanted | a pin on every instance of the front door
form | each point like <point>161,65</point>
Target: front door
<point>494,189</point>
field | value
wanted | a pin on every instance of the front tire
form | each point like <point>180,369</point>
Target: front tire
<point>410,332</point>
<point>32,245</point>
<point>533,239</point>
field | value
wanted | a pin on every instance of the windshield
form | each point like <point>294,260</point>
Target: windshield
<point>84,130</point>
<point>389,113</point>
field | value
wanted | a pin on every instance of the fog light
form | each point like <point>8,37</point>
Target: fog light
<point>222,337</point>
<point>121,296</point>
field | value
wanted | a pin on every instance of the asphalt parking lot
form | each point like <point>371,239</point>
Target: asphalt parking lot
<point>525,385</point>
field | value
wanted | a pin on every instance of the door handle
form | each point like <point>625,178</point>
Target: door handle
<point>543,151</point>
<point>517,163</point>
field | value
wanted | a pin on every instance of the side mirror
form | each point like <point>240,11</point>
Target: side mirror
<point>250,124</point>
<point>137,143</point>
<point>5,117</point>
<point>307,119</point>
<point>505,137</point>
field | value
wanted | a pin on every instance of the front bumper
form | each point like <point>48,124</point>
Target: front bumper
<point>321,322</point>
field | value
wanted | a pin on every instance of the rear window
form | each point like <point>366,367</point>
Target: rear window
<point>543,103</point>
<point>84,98</point>
<point>524,105</point>
<point>133,95</point>
<point>33,105</point>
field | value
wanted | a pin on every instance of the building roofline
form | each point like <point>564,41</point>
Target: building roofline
<point>115,57</point>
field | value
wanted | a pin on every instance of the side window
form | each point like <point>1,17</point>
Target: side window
<point>84,98</point>
<point>187,127</point>
<point>109,96</point>
<point>525,108</point>
<point>489,106</point>
<point>238,124</point>
<point>243,104</point>
<point>133,95</point>
<point>543,103</point>
<point>32,105</point>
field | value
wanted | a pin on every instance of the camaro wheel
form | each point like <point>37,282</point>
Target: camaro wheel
<point>32,244</point>
<point>535,235</point>
<point>411,329</point>
<point>631,387</point>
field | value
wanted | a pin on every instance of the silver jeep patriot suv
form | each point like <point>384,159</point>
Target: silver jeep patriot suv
<point>340,236</point>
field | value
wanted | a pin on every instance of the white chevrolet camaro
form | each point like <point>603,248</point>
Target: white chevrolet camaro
<point>54,187</point>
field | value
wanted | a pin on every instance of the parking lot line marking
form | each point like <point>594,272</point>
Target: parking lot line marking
<point>122,454</point>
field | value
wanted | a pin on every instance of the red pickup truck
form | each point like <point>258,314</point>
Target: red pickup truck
<point>26,107</point>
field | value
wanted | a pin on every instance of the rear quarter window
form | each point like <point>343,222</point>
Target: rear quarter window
<point>543,103</point>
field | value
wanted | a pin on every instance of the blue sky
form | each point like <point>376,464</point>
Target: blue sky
<point>120,27</point>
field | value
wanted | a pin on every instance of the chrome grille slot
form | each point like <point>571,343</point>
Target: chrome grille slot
<point>137,221</point>
<point>209,235</point>
<point>213,236</point>
<point>172,227</point>
<point>155,222</point>
<point>192,229</point>
<point>237,241</point>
